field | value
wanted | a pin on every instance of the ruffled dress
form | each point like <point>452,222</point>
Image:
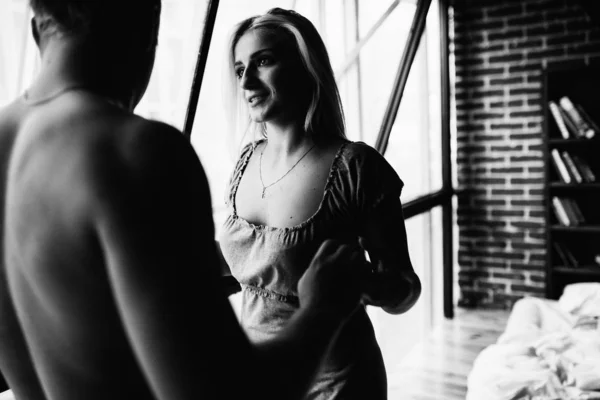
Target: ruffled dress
<point>269,261</point>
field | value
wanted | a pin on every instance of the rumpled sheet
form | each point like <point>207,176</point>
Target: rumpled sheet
<point>7,395</point>
<point>549,350</point>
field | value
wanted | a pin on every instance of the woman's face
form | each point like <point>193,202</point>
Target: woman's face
<point>270,76</point>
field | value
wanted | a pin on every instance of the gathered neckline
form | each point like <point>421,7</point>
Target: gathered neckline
<point>328,184</point>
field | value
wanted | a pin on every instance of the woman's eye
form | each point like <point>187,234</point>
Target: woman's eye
<point>239,72</point>
<point>264,61</point>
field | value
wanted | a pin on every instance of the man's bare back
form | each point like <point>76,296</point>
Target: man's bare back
<point>16,364</point>
<point>112,273</point>
<point>56,247</point>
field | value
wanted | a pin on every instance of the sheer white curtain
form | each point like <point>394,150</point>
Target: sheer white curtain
<point>18,52</point>
<point>179,38</point>
<point>167,95</point>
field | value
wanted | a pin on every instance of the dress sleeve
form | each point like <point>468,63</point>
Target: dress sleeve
<point>234,179</point>
<point>372,178</point>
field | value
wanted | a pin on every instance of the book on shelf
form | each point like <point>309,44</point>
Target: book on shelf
<point>571,126</point>
<point>584,129</point>
<point>573,170</point>
<point>558,118</point>
<point>584,168</point>
<point>570,257</point>
<point>560,166</point>
<point>567,211</point>
<point>587,118</point>
<point>566,256</point>
<point>573,210</point>
<point>560,253</point>
<point>561,213</point>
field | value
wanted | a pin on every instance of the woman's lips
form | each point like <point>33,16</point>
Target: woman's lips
<point>255,100</point>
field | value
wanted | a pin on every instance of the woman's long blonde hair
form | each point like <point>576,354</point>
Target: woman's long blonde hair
<point>324,115</point>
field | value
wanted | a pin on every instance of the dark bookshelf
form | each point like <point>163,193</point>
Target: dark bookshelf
<point>577,229</point>
<point>586,270</point>
<point>567,202</point>
<point>568,142</point>
<point>575,186</point>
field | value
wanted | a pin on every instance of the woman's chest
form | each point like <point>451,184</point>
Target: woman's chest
<point>275,259</point>
<point>279,199</point>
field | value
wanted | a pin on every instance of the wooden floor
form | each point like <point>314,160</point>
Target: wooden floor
<point>437,368</point>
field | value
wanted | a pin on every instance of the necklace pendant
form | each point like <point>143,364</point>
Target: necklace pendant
<point>263,192</point>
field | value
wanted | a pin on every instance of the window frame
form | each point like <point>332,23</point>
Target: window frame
<point>424,203</point>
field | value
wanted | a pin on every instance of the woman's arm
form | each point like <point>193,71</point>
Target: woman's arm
<point>393,284</point>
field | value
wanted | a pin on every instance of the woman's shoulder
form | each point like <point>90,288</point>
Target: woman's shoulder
<point>242,161</point>
<point>250,146</point>
<point>361,155</point>
<point>360,149</point>
<point>246,152</point>
<point>361,161</point>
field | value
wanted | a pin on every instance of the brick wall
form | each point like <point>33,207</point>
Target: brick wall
<point>501,48</point>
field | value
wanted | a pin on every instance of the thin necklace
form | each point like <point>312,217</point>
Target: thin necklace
<point>51,96</point>
<point>264,188</point>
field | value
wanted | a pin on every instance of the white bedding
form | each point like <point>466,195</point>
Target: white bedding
<point>8,395</point>
<point>549,350</point>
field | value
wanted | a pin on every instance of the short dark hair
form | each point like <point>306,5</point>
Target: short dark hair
<point>98,16</point>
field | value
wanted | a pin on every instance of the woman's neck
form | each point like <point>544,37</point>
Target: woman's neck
<point>287,139</point>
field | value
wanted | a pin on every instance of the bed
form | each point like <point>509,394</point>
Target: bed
<point>549,350</point>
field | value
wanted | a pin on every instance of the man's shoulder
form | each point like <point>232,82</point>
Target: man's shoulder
<point>97,134</point>
<point>10,115</point>
<point>140,135</point>
<point>145,145</point>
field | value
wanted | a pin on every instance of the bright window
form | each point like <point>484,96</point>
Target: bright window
<point>398,334</point>
<point>414,148</point>
<point>415,145</point>
<point>18,53</point>
<point>179,38</point>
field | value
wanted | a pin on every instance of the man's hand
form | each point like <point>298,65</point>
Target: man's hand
<point>332,282</point>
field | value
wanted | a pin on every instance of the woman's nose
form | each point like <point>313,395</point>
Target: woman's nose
<point>248,79</point>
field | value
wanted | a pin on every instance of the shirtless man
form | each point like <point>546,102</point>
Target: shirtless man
<point>109,285</point>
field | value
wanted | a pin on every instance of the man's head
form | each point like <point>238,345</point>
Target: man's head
<point>120,38</point>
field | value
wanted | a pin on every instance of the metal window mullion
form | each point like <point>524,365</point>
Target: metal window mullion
<point>447,223</point>
<point>410,50</point>
<point>358,73</point>
<point>353,55</point>
<point>352,81</point>
<point>426,203</point>
<point>207,31</point>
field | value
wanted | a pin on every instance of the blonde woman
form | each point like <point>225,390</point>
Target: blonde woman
<point>303,182</point>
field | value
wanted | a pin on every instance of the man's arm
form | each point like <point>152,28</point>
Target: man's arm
<point>329,291</point>
<point>224,267</point>
<point>16,363</point>
<point>155,226</point>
